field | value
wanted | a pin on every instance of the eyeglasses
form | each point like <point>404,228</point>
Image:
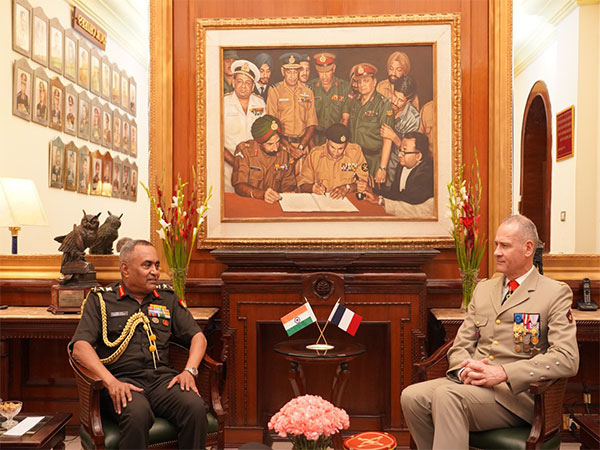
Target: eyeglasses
<point>402,153</point>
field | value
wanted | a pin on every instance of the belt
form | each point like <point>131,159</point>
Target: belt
<point>294,140</point>
<point>371,151</point>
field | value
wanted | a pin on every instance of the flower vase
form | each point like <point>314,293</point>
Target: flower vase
<point>469,280</point>
<point>179,277</point>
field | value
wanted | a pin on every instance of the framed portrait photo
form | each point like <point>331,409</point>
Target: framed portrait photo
<point>107,173</point>
<point>366,59</point>
<point>22,89</point>
<point>106,78</point>
<point>134,138</point>
<point>96,127</point>
<point>95,68</point>
<point>115,85</point>
<point>84,165</point>
<point>97,160</point>
<point>83,128</point>
<point>126,182</point>
<point>41,96</point>
<point>39,47</point>
<point>57,104</point>
<point>71,41</point>
<point>21,27</point>
<point>56,53</point>
<point>132,96</point>
<point>133,187</point>
<point>117,177</point>
<point>71,109</point>
<point>83,64</point>
<point>71,155</point>
<point>56,161</point>
<point>124,91</point>
<point>125,139</point>
<point>117,130</point>
<point>107,121</point>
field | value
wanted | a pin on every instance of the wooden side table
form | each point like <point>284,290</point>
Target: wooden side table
<point>51,434</point>
<point>589,431</point>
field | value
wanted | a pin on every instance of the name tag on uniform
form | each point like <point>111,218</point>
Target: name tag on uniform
<point>119,314</point>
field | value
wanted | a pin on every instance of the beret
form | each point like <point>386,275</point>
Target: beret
<point>338,133</point>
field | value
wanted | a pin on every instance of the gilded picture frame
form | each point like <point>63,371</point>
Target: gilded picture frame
<point>366,36</point>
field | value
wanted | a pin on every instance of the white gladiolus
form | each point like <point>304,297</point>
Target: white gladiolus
<point>161,233</point>
<point>163,223</point>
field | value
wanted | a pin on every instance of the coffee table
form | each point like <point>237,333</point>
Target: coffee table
<point>48,434</point>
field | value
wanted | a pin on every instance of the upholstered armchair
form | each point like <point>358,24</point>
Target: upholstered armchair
<point>99,432</point>
<point>544,433</point>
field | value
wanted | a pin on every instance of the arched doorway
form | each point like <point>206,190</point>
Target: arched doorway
<point>536,161</point>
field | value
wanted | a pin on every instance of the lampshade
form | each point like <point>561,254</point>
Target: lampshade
<point>20,203</point>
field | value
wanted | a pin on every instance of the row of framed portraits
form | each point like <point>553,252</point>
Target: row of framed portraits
<point>61,50</point>
<point>93,173</point>
<point>50,103</point>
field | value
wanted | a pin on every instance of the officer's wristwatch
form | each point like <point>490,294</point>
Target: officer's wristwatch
<point>192,370</point>
<point>301,147</point>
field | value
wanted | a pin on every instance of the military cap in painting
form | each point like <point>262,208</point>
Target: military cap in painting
<point>324,61</point>
<point>290,60</point>
<point>264,128</point>
<point>364,69</point>
<point>338,133</point>
<point>247,68</point>
<point>230,54</point>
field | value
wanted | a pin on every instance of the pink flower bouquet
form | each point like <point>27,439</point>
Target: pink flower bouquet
<point>309,422</point>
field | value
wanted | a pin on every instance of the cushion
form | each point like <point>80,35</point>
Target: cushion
<point>513,438</point>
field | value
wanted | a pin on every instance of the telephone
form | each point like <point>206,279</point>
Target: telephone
<point>586,303</point>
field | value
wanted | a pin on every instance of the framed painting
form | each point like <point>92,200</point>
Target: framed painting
<point>106,78</point>
<point>133,187</point>
<point>124,91</point>
<point>133,140</point>
<point>83,64</point>
<point>95,77</point>
<point>107,173</point>
<point>96,129</point>
<point>39,44</point>
<point>41,91</point>
<point>57,104</point>
<point>22,89</point>
<point>56,161</point>
<point>117,177</point>
<point>126,182</point>
<point>117,129</point>
<point>71,154</point>
<point>96,187</point>
<point>341,133</point>
<point>84,165</point>
<point>71,42</point>
<point>132,96</point>
<point>115,85</point>
<point>21,29</point>
<point>56,60</point>
<point>107,120</point>
<point>71,113</point>
<point>83,129</point>
<point>126,138</point>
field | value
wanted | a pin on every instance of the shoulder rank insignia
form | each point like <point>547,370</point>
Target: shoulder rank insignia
<point>164,287</point>
<point>121,291</point>
<point>155,293</point>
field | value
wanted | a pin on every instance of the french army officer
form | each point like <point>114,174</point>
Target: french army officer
<point>262,167</point>
<point>123,336</point>
<point>519,329</point>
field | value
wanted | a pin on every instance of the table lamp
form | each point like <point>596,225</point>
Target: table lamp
<point>19,205</point>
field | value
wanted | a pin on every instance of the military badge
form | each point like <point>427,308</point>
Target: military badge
<point>257,111</point>
<point>526,331</point>
<point>370,113</point>
<point>182,303</point>
<point>280,167</point>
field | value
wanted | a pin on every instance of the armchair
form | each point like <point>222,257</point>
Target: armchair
<point>99,432</point>
<point>544,432</point>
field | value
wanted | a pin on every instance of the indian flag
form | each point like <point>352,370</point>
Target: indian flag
<point>298,319</point>
<point>345,319</point>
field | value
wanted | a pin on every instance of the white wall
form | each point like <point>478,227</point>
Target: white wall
<point>24,149</point>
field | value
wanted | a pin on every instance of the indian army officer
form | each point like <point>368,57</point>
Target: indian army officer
<point>398,64</point>
<point>262,167</point>
<point>229,56</point>
<point>330,94</point>
<point>293,103</point>
<point>335,166</point>
<point>365,115</point>
<point>122,338</point>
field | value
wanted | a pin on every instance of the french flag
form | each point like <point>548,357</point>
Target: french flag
<point>345,319</point>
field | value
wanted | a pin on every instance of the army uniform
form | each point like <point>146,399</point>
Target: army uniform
<point>167,316</point>
<point>365,124</point>
<point>262,170</point>
<point>320,167</point>
<point>532,336</point>
<point>328,105</point>
<point>295,108</point>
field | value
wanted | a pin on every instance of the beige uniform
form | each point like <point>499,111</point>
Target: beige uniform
<point>505,335</point>
<point>322,168</point>
<point>295,108</point>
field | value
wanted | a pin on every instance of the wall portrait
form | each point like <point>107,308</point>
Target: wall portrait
<point>95,76</point>
<point>126,138</point>
<point>21,27</point>
<point>106,78</point>
<point>57,104</point>
<point>96,188</point>
<point>107,120</point>
<point>71,109</point>
<point>22,89</point>
<point>84,165</point>
<point>56,49</point>
<point>107,173</point>
<point>83,128</point>
<point>334,151</point>
<point>133,187</point>
<point>96,126</point>
<point>56,160</point>
<point>117,130</point>
<point>134,138</point>
<point>39,51</point>
<point>117,177</point>
<point>83,64</point>
<point>115,85</point>
<point>126,183</point>
<point>124,91</point>
<point>71,154</point>
<point>41,91</point>
<point>71,55</point>
<point>132,95</point>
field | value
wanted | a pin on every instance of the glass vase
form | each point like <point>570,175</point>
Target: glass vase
<point>469,280</point>
<point>179,277</point>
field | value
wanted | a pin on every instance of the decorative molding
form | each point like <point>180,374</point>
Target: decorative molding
<point>572,267</point>
<point>47,267</point>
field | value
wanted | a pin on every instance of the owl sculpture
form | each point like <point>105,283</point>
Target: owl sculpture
<point>107,234</point>
<point>74,244</point>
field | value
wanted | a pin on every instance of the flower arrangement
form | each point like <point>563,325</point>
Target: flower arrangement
<point>465,198</point>
<point>179,224</point>
<point>309,422</point>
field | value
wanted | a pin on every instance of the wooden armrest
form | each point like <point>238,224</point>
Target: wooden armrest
<point>88,377</point>
<point>542,386</point>
<point>547,410</point>
<point>436,365</point>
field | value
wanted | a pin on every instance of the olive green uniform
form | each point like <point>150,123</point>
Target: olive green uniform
<point>262,170</point>
<point>227,87</point>
<point>328,104</point>
<point>365,124</point>
<point>167,318</point>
